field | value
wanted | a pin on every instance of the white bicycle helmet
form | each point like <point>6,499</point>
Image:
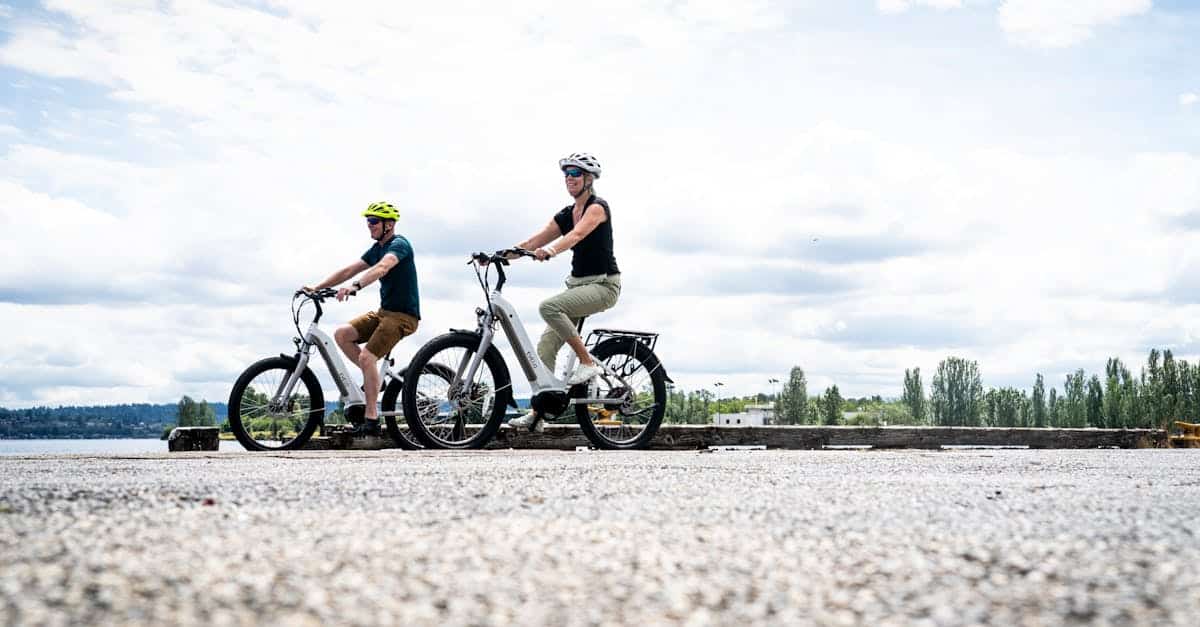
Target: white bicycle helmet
<point>583,160</point>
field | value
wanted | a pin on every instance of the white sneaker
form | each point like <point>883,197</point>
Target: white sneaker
<point>531,420</point>
<point>583,374</point>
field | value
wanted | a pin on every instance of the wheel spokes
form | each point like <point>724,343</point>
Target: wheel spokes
<point>452,412</point>
<point>268,424</point>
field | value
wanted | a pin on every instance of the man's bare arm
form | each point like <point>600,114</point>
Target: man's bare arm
<point>385,265</point>
<point>340,276</point>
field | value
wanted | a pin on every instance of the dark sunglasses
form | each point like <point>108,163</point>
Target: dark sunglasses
<point>373,221</point>
<point>573,172</point>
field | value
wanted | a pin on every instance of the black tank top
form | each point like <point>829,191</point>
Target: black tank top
<point>594,253</point>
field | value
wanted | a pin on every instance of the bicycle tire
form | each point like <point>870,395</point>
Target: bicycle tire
<point>625,349</point>
<point>422,394</point>
<point>238,415</point>
<point>400,436</point>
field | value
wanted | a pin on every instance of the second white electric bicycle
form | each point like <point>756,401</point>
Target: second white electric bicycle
<point>458,387</point>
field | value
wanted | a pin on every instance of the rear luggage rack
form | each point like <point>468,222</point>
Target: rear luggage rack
<point>644,337</point>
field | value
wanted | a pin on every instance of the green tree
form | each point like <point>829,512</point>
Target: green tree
<point>705,399</point>
<point>1095,403</point>
<point>1004,407</point>
<point>687,407</point>
<point>184,412</point>
<point>1130,404</point>
<point>189,413</point>
<point>914,395</point>
<point>1039,402</point>
<point>814,411</point>
<point>1011,411</point>
<point>1150,408</point>
<point>1075,398</point>
<point>1190,381</point>
<point>339,414</point>
<point>956,395</point>
<point>1170,389</point>
<point>1054,409</point>
<point>831,406</point>
<point>793,401</point>
<point>1114,402</point>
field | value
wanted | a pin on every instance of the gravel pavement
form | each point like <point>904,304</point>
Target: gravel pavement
<point>978,536</point>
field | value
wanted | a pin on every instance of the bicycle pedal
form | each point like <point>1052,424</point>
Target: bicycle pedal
<point>355,414</point>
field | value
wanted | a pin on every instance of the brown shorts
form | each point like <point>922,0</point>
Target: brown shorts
<point>382,329</point>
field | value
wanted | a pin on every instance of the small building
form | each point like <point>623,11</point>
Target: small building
<point>753,416</point>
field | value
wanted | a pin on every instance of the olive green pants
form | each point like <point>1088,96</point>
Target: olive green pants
<point>584,296</point>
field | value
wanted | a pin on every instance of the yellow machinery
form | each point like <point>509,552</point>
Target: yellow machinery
<point>605,416</point>
<point>1189,435</point>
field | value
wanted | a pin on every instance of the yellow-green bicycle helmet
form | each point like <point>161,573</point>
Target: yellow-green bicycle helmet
<point>382,210</point>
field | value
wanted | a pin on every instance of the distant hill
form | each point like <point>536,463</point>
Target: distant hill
<point>142,420</point>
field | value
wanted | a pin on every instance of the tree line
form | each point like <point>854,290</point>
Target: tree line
<point>140,420</point>
<point>1163,390</point>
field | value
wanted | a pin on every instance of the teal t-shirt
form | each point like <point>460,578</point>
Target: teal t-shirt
<point>398,288</point>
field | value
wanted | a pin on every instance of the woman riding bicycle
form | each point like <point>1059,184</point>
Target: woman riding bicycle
<point>584,228</point>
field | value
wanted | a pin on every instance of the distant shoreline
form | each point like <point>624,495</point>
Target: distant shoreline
<point>81,437</point>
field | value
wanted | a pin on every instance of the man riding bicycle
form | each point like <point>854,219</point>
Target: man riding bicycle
<point>390,261</point>
<point>585,228</point>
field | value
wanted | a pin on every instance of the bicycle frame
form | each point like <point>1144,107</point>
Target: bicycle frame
<point>540,378</point>
<point>351,393</point>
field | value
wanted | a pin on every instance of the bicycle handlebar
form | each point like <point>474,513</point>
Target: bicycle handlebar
<point>317,295</point>
<point>501,259</point>
<point>502,256</point>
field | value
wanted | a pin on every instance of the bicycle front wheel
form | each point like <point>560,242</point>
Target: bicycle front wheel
<point>443,410</point>
<point>634,376</point>
<point>263,421</point>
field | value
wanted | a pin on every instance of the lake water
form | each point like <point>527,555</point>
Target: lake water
<point>94,447</point>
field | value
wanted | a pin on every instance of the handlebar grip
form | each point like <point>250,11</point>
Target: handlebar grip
<point>316,295</point>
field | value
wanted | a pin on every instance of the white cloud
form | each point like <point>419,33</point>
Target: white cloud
<point>1063,23</point>
<point>900,6</point>
<point>1188,99</point>
<point>766,212</point>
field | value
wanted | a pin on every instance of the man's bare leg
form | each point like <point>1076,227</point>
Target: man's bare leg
<point>345,337</point>
<point>369,364</point>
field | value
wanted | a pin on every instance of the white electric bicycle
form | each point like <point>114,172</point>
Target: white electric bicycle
<point>277,403</point>
<point>461,388</point>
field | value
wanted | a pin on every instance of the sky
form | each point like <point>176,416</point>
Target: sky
<point>856,188</point>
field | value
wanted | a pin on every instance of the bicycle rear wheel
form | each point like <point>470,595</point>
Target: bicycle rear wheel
<point>261,425</point>
<point>396,427</point>
<point>445,415</point>
<point>638,381</point>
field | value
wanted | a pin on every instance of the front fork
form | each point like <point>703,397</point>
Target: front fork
<point>469,366</point>
<point>278,402</point>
